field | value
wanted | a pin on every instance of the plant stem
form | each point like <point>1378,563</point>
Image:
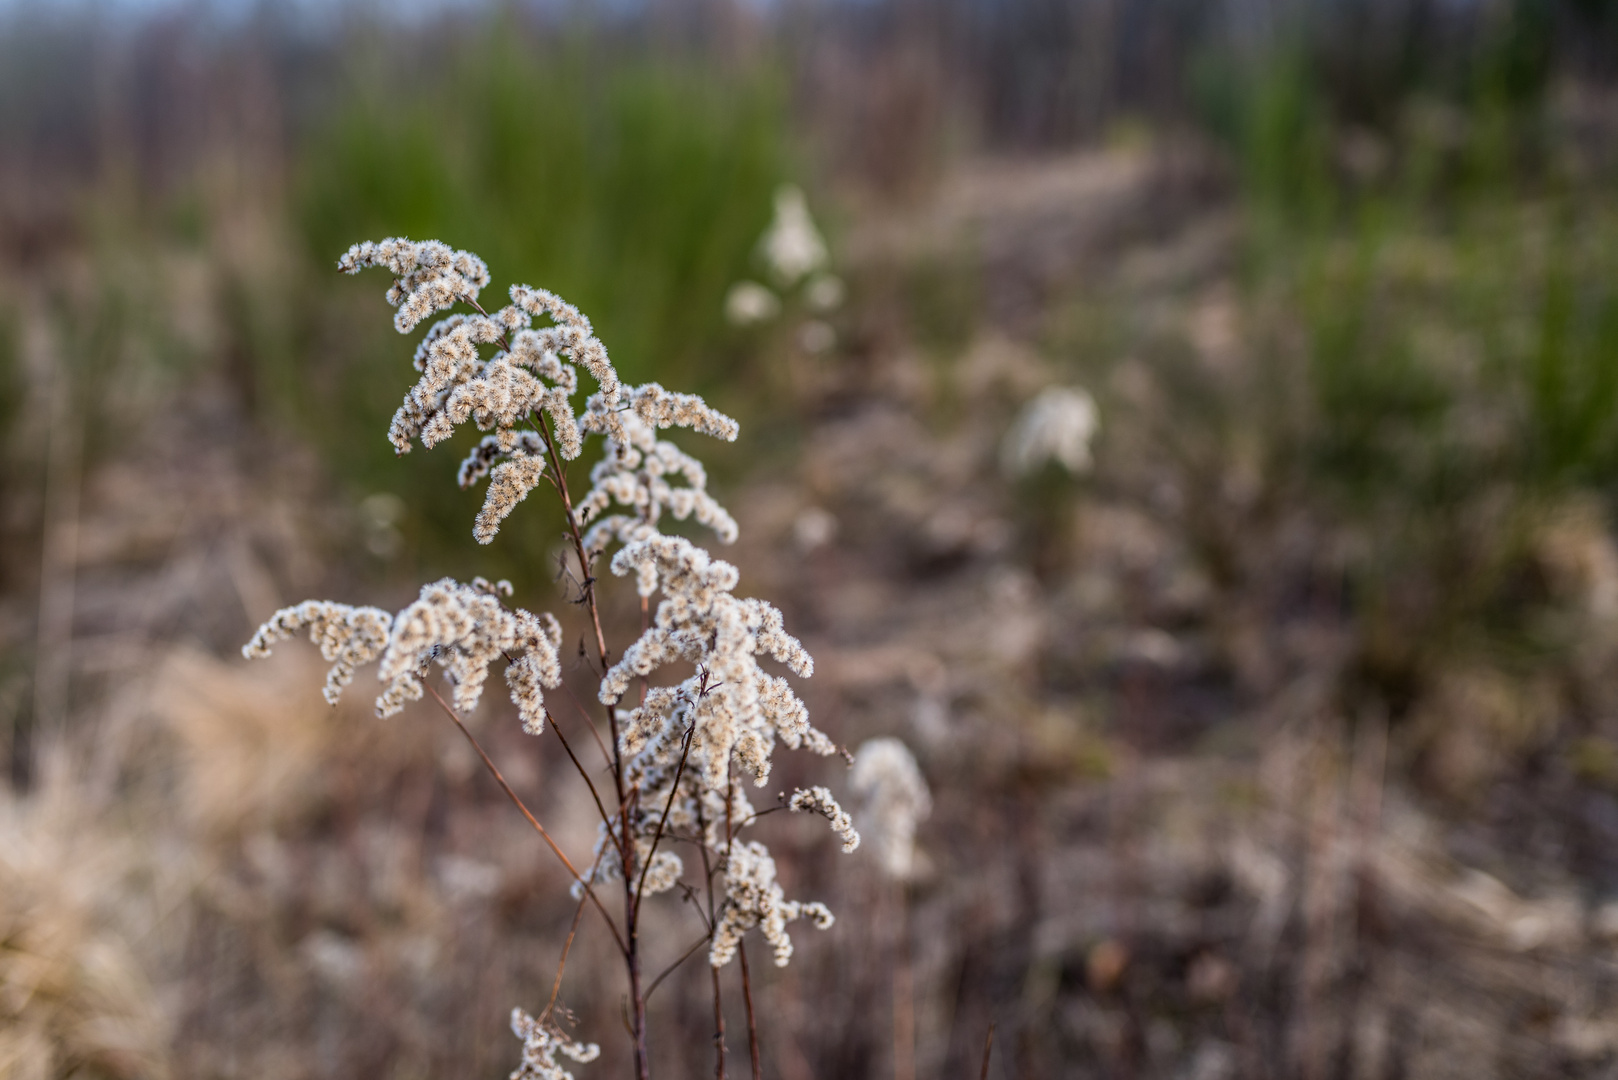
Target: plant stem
<point>605,820</point>
<point>666,972</point>
<point>532,820</point>
<point>752,1024</point>
<point>719,1026</point>
<point>674,789</point>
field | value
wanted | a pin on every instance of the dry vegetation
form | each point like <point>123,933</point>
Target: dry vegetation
<point>1236,771</point>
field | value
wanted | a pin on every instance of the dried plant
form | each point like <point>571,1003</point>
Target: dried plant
<point>680,756</point>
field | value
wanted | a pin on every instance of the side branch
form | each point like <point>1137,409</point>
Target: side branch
<point>605,820</point>
<point>532,820</point>
<point>670,970</point>
<point>657,837</point>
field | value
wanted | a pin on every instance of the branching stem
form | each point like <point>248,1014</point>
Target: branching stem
<point>532,820</point>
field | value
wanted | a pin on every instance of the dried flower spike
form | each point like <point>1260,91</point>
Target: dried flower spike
<point>680,749</point>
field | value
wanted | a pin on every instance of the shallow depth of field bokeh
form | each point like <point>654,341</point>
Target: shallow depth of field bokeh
<point>1271,727</point>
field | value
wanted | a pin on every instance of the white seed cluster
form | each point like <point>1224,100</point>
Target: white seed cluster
<point>428,276</point>
<point>893,799</point>
<point>819,800</point>
<point>729,712</point>
<point>753,898</point>
<point>347,636</point>
<point>541,1044</point>
<point>634,473</point>
<point>462,628</point>
<point>738,707</point>
<point>532,374</point>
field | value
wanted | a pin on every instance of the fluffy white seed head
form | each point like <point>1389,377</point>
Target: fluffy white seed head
<point>509,484</point>
<point>686,748</point>
<point>792,246</point>
<point>819,800</point>
<point>749,303</point>
<point>347,636</point>
<point>428,276</point>
<point>462,628</point>
<point>540,1045</point>
<point>1058,425</point>
<point>893,799</point>
<point>753,898</point>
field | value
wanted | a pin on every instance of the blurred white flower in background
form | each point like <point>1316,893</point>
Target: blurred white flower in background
<point>749,303</point>
<point>893,799</point>
<point>813,528</point>
<point>796,255</point>
<point>824,292</point>
<point>792,245</point>
<point>1056,426</point>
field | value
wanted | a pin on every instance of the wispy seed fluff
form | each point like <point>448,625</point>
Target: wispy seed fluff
<point>753,898</point>
<point>819,800</point>
<point>727,715</point>
<point>1058,426</point>
<point>347,636</point>
<point>792,245</point>
<point>541,1044</point>
<point>462,628</point>
<point>893,799</point>
<point>634,473</point>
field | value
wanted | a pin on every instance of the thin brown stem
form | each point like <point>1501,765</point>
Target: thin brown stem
<point>532,820</point>
<point>691,898</point>
<point>585,714</point>
<point>988,1048</point>
<point>605,820</point>
<point>707,865</point>
<point>561,965</point>
<point>752,1024</point>
<point>657,837</point>
<point>707,882</point>
<point>718,1026</point>
<point>578,539</point>
<point>567,946</point>
<point>632,927</point>
<point>666,972</point>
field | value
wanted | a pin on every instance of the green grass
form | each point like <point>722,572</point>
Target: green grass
<point>1445,328</point>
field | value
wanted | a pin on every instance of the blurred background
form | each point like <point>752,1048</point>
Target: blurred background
<point>1198,443</point>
